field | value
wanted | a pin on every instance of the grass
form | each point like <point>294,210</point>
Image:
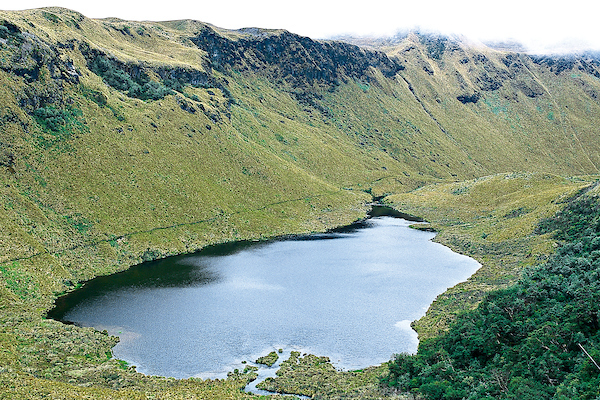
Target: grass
<point>316,377</point>
<point>269,359</point>
<point>93,181</point>
<point>492,219</point>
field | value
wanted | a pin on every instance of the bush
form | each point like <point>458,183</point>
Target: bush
<point>153,91</point>
<point>523,342</point>
<point>58,125</point>
<point>51,118</point>
<point>4,32</point>
<point>136,85</point>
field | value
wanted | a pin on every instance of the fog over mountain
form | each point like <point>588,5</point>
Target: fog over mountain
<point>540,27</point>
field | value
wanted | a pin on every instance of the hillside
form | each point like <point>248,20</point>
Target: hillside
<point>535,339</point>
<point>126,141</point>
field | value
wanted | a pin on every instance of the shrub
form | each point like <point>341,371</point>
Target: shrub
<point>4,32</point>
<point>51,118</point>
<point>523,342</point>
<point>136,85</point>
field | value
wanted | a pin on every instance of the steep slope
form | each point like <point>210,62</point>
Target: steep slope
<point>127,141</point>
<point>514,112</point>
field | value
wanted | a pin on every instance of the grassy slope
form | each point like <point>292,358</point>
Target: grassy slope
<point>527,117</point>
<point>135,180</point>
<point>493,220</point>
<point>132,180</point>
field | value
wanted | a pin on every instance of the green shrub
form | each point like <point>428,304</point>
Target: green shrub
<point>51,118</point>
<point>137,85</point>
<point>58,124</point>
<point>523,342</point>
<point>4,32</point>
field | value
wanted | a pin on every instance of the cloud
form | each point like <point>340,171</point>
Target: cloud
<point>538,24</point>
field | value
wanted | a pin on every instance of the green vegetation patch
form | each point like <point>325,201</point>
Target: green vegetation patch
<point>537,339</point>
<point>19,281</point>
<point>493,220</point>
<point>135,82</point>
<point>58,125</point>
<point>269,359</point>
<point>316,377</point>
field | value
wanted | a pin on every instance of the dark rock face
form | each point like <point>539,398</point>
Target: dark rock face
<point>436,45</point>
<point>133,78</point>
<point>490,77</point>
<point>187,76</point>
<point>292,58</point>
<point>530,89</point>
<point>185,105</point>
<point>30,55</point>
<point>588,63</point>
<point>590,66</point>
<point>42,66</point>
<point>474,98</point>
<point>556,64</point>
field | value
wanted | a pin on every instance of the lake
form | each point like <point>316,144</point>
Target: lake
<point>349,295</point>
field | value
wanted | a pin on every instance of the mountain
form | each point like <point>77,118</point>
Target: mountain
<point>126,141</point>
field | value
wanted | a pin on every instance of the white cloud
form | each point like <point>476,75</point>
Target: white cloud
<point>535,23</point>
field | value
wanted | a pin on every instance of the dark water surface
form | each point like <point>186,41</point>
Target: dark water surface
<point>348,295</point>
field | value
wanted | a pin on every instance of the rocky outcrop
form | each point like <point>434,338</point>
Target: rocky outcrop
<point>44,69</point>
<point>292,58</point>
<point>473,98</point>
<point>556,64</point>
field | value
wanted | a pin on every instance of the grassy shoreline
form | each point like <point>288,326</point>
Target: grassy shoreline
<point>71,362</point>
<point>86,350</point>
<point>491,219</point>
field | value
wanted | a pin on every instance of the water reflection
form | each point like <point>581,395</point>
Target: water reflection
<point>350,297</point>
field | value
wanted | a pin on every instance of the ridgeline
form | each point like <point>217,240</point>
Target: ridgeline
<point>122,142</point>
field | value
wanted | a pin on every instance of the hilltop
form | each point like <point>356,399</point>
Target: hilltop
<point>122,142</point>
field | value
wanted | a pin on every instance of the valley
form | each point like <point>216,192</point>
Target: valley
<point>123,142</point>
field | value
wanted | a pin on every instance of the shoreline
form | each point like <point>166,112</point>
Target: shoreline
<point>377,211</point>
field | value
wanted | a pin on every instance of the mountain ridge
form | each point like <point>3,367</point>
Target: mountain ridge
<point>127,141</point>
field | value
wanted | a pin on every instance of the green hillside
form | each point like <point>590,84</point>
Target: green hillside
<point>123,141</point>
<point>535,339</point>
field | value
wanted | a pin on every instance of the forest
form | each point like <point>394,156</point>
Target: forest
<point>536,339</point>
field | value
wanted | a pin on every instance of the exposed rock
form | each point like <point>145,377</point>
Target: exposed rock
<point>590,66</point>
<point>531,89</point>
<point>185,105</point>
<point>473,98</point>
<point>29,56</point>
<point>436,45</point>
<point>556,64</point>
<point>292,58</point>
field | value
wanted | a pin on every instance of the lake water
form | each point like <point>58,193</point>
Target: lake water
<point>349,295</point>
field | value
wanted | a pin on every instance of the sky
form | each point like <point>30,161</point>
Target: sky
<point>542,26</point>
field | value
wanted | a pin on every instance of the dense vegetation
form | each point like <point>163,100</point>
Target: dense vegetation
<point>135,85</point>
<point>528,341</point>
